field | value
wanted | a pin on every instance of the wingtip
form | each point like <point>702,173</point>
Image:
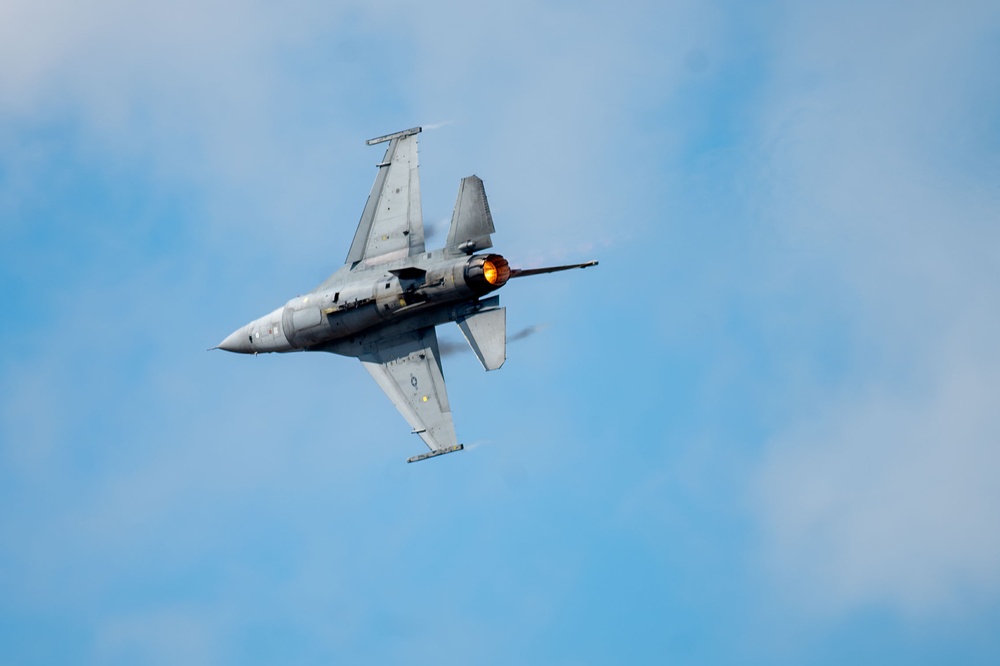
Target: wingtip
<point>435,453</point>
<point>394,135</point>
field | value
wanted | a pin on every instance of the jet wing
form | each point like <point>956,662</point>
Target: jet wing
<point>391,225</point>
<point>408,369</point>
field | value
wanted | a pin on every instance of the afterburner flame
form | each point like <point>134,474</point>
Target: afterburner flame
<point>495,270</point>
<point>484,273</point>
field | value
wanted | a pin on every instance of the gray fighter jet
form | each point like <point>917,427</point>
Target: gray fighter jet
<point>382,306</point>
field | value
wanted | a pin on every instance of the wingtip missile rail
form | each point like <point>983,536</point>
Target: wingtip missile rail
<point>434,454</point>
<point>395,135</point>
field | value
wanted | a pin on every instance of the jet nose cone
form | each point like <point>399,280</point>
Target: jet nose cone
<point>237,342</point>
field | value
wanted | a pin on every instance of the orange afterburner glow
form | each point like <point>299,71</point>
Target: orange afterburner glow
<point>486,272</point>
<point>495,270</point>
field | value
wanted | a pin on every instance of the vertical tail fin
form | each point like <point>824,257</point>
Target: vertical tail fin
<point>471,223</point>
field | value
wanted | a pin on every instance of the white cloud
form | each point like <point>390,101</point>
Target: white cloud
<point>199,98</point>
<point>212,97</point>
<point>879,490</point>
<point>888,497</point>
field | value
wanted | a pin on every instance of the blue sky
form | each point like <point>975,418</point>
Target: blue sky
<point>763,431</point>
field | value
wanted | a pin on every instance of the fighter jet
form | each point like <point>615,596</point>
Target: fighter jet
<point>383,304</point>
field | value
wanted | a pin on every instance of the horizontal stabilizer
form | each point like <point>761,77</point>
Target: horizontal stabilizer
<point>471,222</point>
<point>438,452</point>
<point>486,332</point>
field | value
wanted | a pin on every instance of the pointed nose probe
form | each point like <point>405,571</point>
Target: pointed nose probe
<point>238,341</point>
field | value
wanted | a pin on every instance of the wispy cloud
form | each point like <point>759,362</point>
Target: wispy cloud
<point>875,491</point>
<point>168,172</point>
<point>434,126</point>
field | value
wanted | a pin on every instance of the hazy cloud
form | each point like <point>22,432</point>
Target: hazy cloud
<point>877,489</point>
<point>169,172</point>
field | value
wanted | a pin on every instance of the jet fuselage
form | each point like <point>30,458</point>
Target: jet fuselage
<point>359,299</point>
